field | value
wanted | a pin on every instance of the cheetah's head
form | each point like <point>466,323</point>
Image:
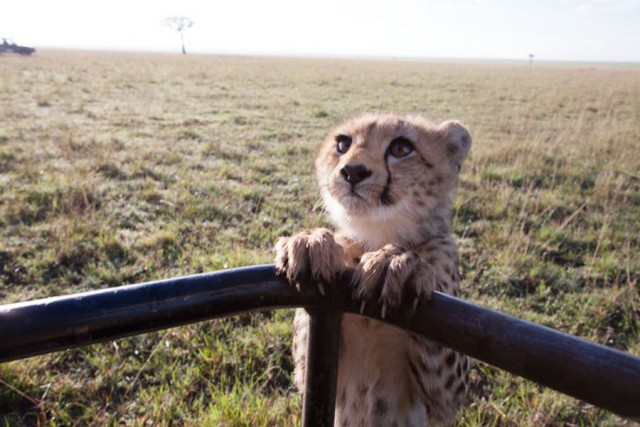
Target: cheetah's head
<point>393,172</point>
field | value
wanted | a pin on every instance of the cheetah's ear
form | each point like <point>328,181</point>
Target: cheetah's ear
<point>457,140</point>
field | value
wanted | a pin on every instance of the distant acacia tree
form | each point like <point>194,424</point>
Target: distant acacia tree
<point>180,24</point>
<point>531,55</point>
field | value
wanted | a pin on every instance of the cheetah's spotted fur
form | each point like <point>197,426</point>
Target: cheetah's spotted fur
<point>387,182</point>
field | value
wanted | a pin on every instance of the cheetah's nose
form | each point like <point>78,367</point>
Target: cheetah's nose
<point>353,174</point>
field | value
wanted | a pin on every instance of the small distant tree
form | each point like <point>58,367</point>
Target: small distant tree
<point>531,55</point>
<point>180,24</point>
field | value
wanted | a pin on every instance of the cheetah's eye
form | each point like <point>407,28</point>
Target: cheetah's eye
<point>343,143</point>
<point>400,147</point>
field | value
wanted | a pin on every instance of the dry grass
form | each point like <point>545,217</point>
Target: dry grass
<point>121,168</point>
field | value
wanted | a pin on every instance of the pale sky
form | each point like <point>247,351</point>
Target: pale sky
<point>572,30</point>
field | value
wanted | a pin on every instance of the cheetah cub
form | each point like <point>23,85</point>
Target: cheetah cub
<point>387,182</point>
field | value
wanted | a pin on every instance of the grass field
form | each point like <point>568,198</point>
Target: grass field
<point>122,168</point>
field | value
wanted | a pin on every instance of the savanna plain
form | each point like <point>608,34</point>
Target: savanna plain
<point>121,168</point>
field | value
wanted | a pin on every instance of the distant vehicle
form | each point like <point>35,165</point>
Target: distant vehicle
<point>8,46</point>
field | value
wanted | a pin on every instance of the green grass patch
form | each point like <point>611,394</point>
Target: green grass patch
<point>123,168</point>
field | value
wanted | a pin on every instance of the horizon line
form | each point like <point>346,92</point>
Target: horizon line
<point>408,58</point>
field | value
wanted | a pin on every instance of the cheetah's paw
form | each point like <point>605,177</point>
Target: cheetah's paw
<point>393,276</point>
<point>310,256</point>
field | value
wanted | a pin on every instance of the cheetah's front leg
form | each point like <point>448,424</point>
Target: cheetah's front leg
<point>310,256</point>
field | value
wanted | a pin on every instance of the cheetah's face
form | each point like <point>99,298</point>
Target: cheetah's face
<point>375,165</point>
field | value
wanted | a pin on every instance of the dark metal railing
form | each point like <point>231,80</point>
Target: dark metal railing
<point>596,374</point>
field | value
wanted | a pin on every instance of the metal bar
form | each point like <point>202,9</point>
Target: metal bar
<point>600,375</point>
<point>321,367</point>
<point>52,324</point>
<point>560,361</point>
